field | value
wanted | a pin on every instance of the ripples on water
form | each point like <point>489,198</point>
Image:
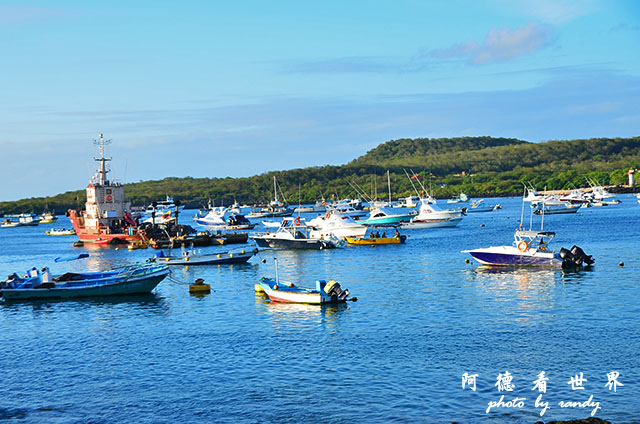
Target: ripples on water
<point>423,318</point>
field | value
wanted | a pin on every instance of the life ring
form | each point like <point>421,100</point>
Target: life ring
<point>109,198</point>
<point>328,215</point>
<point>522,246</point>
<point>297,221</point>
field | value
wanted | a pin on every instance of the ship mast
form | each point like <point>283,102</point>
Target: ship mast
<point>102,172</point>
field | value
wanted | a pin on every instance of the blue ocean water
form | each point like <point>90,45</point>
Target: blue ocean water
<point>424,318</point>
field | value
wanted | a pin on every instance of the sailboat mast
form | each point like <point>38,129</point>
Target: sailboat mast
<point>275,190</point>
<point>389,184</point>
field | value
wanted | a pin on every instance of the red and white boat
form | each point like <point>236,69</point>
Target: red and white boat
<point>106,217</point>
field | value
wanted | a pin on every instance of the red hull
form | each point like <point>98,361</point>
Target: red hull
<point>101,235</point>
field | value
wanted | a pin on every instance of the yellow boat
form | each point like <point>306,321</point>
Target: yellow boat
<point>375,240</point>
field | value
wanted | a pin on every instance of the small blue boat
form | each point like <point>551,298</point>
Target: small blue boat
<point>134,279</point>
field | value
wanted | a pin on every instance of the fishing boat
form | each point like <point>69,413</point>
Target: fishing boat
<point>381,216</point>
<point>324,292</point>
<point>431,216</point>
<point>61,232</point>
<point>106,213</point>
<point>335,224</point>
<point>134,279</point>
<point>293,235</point>
<point>531,248</point>
<point>196,257</point>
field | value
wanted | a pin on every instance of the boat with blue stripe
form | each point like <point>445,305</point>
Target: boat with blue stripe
<point>133,279</point>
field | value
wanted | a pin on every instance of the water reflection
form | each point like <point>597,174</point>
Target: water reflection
<point>286,315</point>
<point>148,302</point>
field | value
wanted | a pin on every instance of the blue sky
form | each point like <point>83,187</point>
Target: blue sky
<point>216,89</point>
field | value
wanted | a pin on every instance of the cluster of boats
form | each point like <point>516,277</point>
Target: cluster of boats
<point>109,219</point>
<point>569,202</point>
<point>28,220</point>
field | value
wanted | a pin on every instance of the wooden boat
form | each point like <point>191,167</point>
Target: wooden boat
<point>134,279</point>
<point>61,232</point>
<point>375,240</point>
<point>324,292</point>
<point>192,257</point>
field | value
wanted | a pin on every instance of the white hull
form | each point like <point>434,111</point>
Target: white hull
<point>432,223</point>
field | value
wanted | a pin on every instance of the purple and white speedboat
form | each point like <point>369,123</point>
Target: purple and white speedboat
<point>531,248</point>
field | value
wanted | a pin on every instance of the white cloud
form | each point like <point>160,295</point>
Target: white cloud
<point>500,44</point>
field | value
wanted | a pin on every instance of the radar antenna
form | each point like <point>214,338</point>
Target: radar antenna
<point>102,172</point>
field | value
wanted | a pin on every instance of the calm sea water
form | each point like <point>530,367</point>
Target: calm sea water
<point>423,319</point>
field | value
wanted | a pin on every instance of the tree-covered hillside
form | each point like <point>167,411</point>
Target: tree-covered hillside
<point>475,165</point>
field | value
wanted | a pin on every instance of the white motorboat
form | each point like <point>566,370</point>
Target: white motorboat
<point>293,235</point>
<point>163,206</point>
<point>163,218</point>
<point>213,219</point>
<point>287,220</point>
<point>346,208</point>
<point>481,206</point>
<point>27,219</point>
<point>381,216</point>
<point>462,198</point>
<point>531,248</point>
<point>431,216</point>
<point>411,202</point>
<point>335,224</point>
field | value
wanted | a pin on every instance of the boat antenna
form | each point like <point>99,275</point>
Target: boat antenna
<point>411,181</point>
<point>522,213</point>
<point>275,260</point>
<point>389,184</point>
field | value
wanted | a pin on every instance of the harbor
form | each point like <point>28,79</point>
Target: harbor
<point>320,212</point>
<point>423,318</point>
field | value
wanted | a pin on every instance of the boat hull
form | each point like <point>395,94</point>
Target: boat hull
<point>389,220</point>
<point>432,223</point>
<point>494,257</point>
<point>212,259</point>
<point>279,243</point>
<point>140,285</point>
<point>296,294</point>
<point>375,241</point>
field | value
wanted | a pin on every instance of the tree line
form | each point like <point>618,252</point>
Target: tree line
<point>478,166</point>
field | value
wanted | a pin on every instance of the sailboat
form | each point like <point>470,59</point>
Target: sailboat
<point>275,208</point>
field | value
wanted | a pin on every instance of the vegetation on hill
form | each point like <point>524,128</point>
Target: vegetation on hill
<point>478,166</point>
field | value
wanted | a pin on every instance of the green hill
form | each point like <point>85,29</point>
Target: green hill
<point>478,166</point>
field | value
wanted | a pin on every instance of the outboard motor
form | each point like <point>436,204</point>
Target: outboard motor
<point>579,253</point>
<point>575,257</point>
<point>333,289</point>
